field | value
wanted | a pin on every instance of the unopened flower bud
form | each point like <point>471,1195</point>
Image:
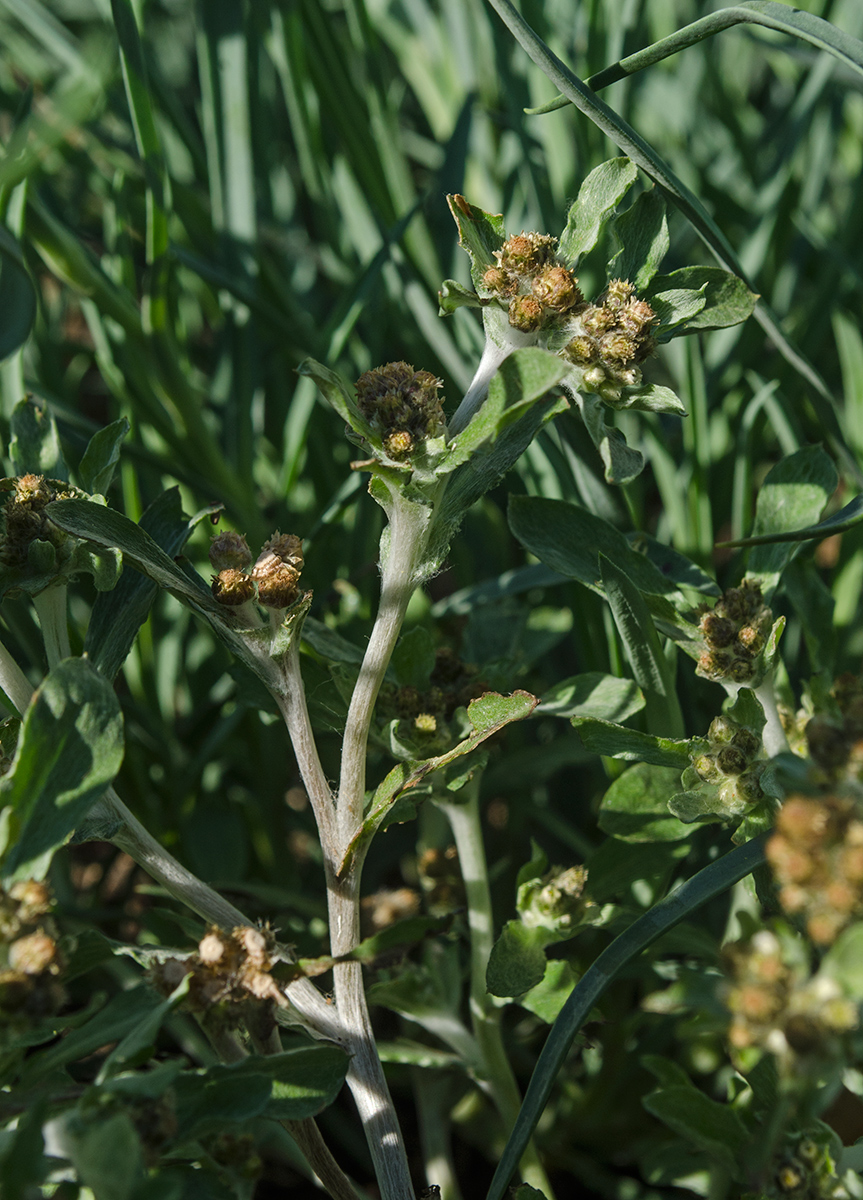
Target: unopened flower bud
<point>719,631</point>
<point>525,253</point>
<point>277,587</point>
<point>731,761</point>
<point>232,588</point>
<point>525,314</point>
<point>286,547</point>
<point>500,282</point>
<point>618,293</point>
<point>425,724</point>
<point>556,288</point>
<point>581,350</point>
<point>230,550</point>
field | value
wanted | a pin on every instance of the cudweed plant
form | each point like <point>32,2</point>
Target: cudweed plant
<point>749,1022</point>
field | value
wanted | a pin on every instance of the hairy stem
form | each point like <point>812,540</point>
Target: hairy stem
<point>464,819</point>
<point>773,735</point>
<point>296,715</point>
<point>407,529</point>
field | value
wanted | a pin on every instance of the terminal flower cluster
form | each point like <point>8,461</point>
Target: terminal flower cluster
<point>402,405</point>
<point>273,579</point>
<point>610,339</point>
<point>732,761</point>
<point>735,633</point>
<point>228,970</point>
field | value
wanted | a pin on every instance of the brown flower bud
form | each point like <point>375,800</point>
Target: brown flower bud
<point>557,289</point>
<point>230,550</point>
<point>525,253</point>
<point>232,588</point>
<point>500,282</point>
<point>731,761</point>
<point>525,314</point>
<point>277,586</point>
<point>617,347</point>
<point>618,293</point>
<point>286,547</point>
<point>719,631</point>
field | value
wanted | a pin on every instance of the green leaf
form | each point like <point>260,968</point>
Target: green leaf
<point>524,1191</point>
<point>291,1086</point>
<point>622,463</point>
<point>635,807</point>
<point>546,998</point>
<point>642,231</point>
<point>673,565</point>
<point>846,518</point>
<point>333,389</point>
<point>141,1040</point>
<point>34,444</point>
<point>17,296</point>
<point>598,196</point>
<point>569,539</point>
<point>727,299</point>
<point>480,234</point>
<point>106,1155</point>
<point>123,1013</point>
<point>674,307</point>
<point>101,457</point>
<point>517,406</point>
<point>641,642</point>
<point>453,295</point>
<point>614,741</point>
<point>711,881</point>
<point>517,961</point>
<point>522,379</point>
<point>792,496</point>
<point>593,695</point>
<point>487,715</point>
<point>651,397</point>
<point>413,659</point>
<point>22,1159</point>
<point>119,614</point>
<point>711,1127</point>
<point>69,750</point>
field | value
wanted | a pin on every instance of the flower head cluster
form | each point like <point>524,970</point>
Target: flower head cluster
<point>30,961</point>
<point>539,288</point>
<point>735,633</point>
<point>25,520</point>
<point>775,1007</point>
<point>732,762</point>
<point>816,854</point>
<point>273,579</point>
<point>554,901</point>
<point>228,970</point>
<point>609,339</point>
<point>452,685</point>
<point>402,405</point>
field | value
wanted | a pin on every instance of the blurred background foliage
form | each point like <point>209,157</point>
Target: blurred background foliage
<point>276,190</point>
